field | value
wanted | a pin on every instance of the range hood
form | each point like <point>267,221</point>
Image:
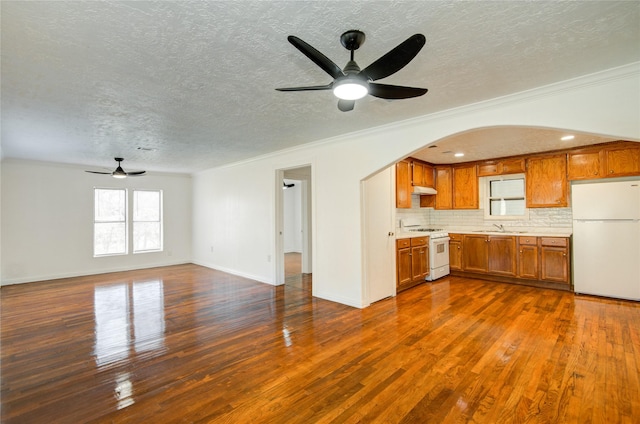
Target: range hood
<point>424,190</point>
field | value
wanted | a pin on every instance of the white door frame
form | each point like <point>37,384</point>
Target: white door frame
<point>308,240</point>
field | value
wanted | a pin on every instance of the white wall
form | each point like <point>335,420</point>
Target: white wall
<point>292,208</point>
<point>234,223</point>
<point>47,222</point>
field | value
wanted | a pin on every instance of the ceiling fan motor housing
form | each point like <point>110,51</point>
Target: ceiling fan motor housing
<point>352,39</point>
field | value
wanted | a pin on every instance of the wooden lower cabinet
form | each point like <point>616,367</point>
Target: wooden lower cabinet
<point>403,262</point>
<point>475,253</point>
<point>455,252</point>
<point>554,259</point>
<point>528,260</point>
<point>419,262</point>
<point>412,262</point>
<point>491,254</point>
<point>502,255</point>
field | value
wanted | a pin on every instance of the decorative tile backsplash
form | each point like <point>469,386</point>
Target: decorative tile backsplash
<point>538,217</point>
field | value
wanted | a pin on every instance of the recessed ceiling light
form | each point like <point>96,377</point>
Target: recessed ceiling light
<point>458,155</point>
<point>568,137</point>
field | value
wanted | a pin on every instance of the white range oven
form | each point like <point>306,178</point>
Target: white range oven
<point>438,252</point>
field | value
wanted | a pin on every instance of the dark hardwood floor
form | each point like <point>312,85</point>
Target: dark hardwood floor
<point>189,344</point>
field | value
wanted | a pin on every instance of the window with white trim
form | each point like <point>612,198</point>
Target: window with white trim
<point>147,221</point>
<point>505,197</point>
<point>110,222</point>
<point>112,229</point>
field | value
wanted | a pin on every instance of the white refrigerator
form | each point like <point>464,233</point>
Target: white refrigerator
<point>606,238</point>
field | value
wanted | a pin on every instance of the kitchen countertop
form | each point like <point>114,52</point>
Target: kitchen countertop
<point>522,231</point>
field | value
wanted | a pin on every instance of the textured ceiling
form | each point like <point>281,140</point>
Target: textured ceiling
<point>192,83</point>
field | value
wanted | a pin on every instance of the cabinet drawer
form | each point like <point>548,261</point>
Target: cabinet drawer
<point>554,241</point>
<point>529,241</point>
<point>402,243</point>
<point>419,241</point>
<point>455,237</point>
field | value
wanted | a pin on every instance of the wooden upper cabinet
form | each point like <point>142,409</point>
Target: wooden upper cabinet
<point>403,184</point>
<point>615,160</point>
<point>422,174</point>
<point>546,180</point>
<point>513,166</point>
<point>444,187</point>
<point>584,165</point>
<point>489,168</point>
<point>501,167</point>
<point>465,187</point>
<point>622,161</point>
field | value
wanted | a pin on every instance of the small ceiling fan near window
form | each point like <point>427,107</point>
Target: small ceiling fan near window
<point>119,172</point>
<point>351,83</point>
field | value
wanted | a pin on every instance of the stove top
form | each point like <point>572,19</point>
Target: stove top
<point>427,230</point>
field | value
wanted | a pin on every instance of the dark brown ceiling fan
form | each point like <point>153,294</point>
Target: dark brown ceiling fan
<point>119,172</point>
<point>352,83</point>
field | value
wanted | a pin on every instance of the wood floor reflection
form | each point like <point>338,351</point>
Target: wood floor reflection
<point>293,275</point>
<point>187,344</point>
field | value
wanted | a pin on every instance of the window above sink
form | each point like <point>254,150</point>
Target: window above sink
<point>504,197</point>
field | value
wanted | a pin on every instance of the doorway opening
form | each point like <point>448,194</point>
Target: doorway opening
<point>294,232</point>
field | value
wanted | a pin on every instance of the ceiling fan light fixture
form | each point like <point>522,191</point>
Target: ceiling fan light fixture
<point>350,89</point>
<point>119,173</point>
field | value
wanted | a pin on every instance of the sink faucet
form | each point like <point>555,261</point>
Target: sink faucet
<point>500,227</point>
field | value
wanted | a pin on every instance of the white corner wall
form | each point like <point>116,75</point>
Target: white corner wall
<point>47,222</point>
<point>234,218</point>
